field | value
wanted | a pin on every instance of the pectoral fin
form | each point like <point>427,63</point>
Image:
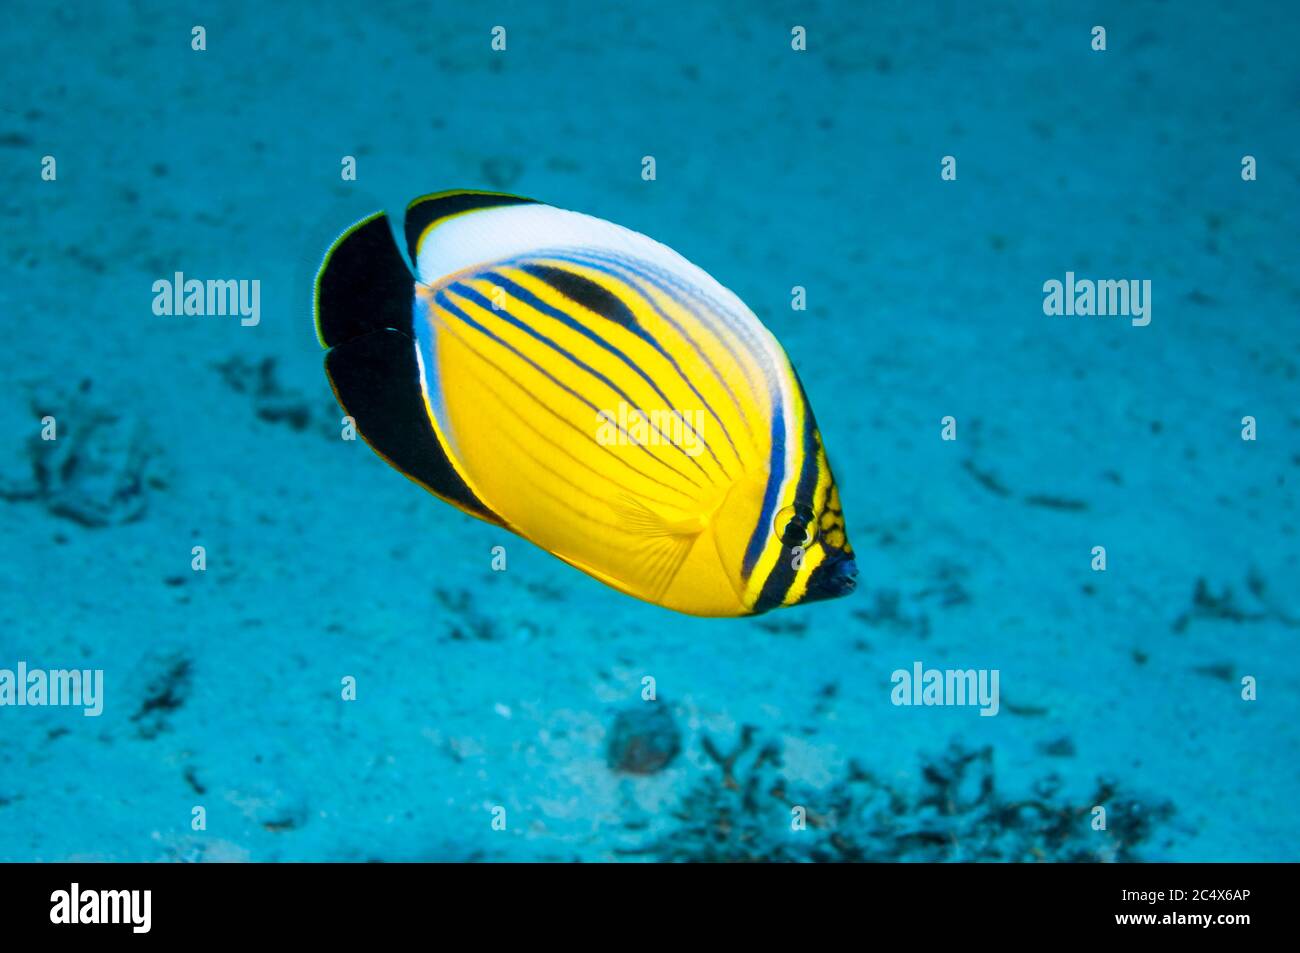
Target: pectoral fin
<point>662,542</point>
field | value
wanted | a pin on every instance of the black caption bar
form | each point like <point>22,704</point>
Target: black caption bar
<point>140,902</point>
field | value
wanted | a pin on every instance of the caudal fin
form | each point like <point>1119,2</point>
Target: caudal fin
<point>363,285</point>
<point>363,303</point>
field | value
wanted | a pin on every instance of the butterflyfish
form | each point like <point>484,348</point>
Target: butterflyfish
<point>589,389</point>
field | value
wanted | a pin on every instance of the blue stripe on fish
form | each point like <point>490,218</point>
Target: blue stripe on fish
<point>472,294</point>
<point>445,303</point>
<point>686,336</point>
<point>775,477</point>
<point>521,293</point>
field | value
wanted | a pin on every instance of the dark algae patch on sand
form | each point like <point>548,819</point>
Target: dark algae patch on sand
<point>746,811</point>
<point>86,460</point>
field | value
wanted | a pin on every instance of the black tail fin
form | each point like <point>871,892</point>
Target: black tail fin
<point>363,284</point>
<point>364,298</point>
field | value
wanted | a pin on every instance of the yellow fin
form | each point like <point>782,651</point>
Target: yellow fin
<point>662,543</point>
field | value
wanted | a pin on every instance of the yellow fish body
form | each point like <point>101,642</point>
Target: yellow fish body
<point>589,389</point>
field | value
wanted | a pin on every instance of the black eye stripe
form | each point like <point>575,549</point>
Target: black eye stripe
<point>795,525</point>
<point>797,531</point>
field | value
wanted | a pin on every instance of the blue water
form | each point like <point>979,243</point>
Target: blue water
<point>493,710</point>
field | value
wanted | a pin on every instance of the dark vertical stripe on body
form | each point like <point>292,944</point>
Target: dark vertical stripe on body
<point>775,476</point>
<point>782,576</point>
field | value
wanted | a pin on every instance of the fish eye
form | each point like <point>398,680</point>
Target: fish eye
<point>795,525</point>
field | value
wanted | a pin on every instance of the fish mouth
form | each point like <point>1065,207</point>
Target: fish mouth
<point>837,576</point>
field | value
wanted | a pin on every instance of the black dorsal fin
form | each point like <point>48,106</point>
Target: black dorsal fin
<point>428,210</point>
